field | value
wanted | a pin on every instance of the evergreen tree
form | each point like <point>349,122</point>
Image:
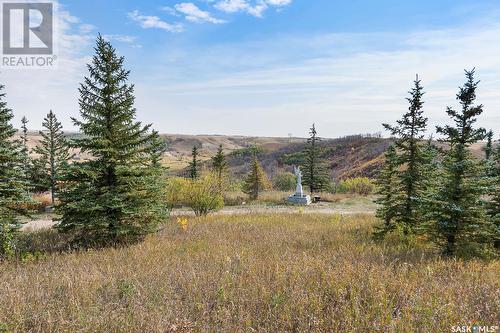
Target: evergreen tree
<point>256,181</point>
<point>159,147</point>
<point>411,188</point>
<point>193,165</point>
<point>13,188</point>
<point>39,180</point>
<point>26,164</point>
<point>488,150</point>
<point>219,166</point>
<point>115,196</point>
<point>315,173</point>
<point>460,215</point>
<point>53,151</point>
<point>387,186</point>
<point>431,172</point>
<point>493,205</point>
<point>24,135</point>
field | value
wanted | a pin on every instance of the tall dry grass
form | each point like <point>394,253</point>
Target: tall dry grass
<point>261,273</point>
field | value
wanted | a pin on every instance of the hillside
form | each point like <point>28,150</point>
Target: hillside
<point>351,156</point>
<point>345,157</point>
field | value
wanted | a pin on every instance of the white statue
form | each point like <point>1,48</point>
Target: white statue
<point>299,198</point>
<point>299,191</point>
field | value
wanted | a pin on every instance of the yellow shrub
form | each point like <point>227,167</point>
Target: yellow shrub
<point>201,195</point>
<point>358,185</point>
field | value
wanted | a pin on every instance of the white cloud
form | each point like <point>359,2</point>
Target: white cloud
<point>258,9</point>
<point>194,14</point>
<point>255,8</point>
<point>121,38</point>
<point>232,6</point>
<point>170,10</point>
<point>126,39</point>
<point>279,2</point>
<point>153,22</point>
<point>86,28</point>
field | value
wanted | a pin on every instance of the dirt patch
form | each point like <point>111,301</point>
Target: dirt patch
<point>38,225</point>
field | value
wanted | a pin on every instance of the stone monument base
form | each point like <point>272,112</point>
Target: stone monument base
<point>304,200</point>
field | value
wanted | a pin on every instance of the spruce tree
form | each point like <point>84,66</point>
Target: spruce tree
<point>115,196</point>
<point>39,180</point>
<point>219,166</point>
<point>493,205</point>
<point>315,173</point>
<point>13,188</point>
<point>24,135</point>
<point>53,151</point>
<point>409,194</point>
<point>488,150</point>
<point>26,165</point>
<point>256,181</point>
<point>159,147</point>
<point>431,171</point>
<point>193,165</point>
<point>387,186</point>
<point>460,216</point>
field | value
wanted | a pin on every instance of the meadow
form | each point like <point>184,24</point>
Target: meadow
<point>290,272</point>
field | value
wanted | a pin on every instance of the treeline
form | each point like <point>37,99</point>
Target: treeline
<point>443,194</point>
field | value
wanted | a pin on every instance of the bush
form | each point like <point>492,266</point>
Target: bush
<point>285,181</point>
<point>174,192</point>
<point>358,185</point>
<point>201,195</point>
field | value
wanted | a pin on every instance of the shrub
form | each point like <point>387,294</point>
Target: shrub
<point>285,181</point>
<point>358,185</point>
<point>202,195</point>
<point>174,191</point>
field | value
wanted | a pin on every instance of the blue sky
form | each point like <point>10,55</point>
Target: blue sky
<point>273,67</point>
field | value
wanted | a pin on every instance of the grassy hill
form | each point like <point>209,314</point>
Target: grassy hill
<point>350,156</point>
<point>345,157</point>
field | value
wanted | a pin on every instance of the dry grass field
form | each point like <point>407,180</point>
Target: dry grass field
<point>252,273</point>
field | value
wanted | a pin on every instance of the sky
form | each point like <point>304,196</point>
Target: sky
<point>272,67</point>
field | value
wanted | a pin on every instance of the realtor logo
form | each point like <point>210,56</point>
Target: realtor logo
<point>28,34</point>
<point>27,28</point>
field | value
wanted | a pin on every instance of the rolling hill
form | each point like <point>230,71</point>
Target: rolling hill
<point>351,156</point>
